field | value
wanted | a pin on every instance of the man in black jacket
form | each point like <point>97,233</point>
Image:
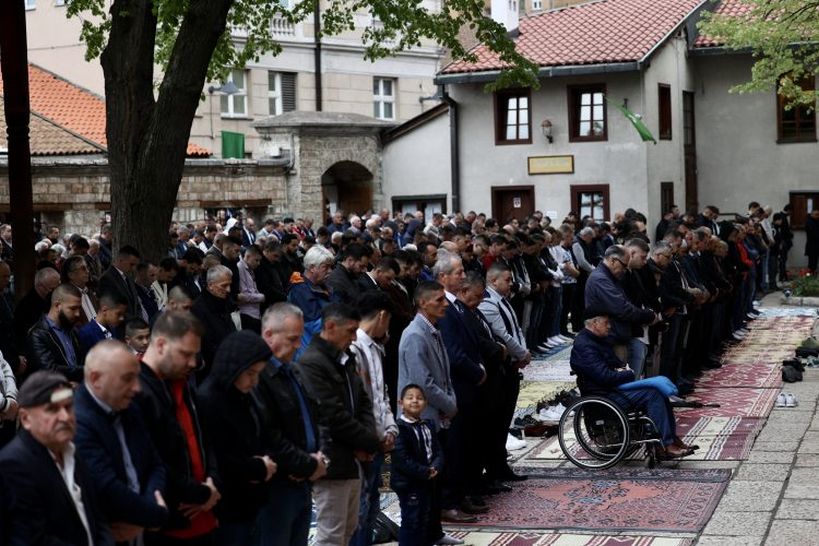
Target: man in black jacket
<point>213,308</point>
<point>36,303</point>
<point>290,414</point>
<point>268,280</point>
<point>53,499</point>
<point>112,440</point>
<point>344,278</point>
<point>347,423</point>
<point>117,279</point>
<point>52,342</point>
<point>169,412</point>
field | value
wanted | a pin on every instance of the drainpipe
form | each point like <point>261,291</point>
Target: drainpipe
<point>454,150</point>
<point>317,52</point>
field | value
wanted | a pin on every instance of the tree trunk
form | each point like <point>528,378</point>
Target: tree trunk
<point>147,137</point>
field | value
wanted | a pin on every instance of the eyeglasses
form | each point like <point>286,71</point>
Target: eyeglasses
<point>621,262</point>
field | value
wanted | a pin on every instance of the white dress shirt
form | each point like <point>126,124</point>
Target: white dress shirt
<point>74,490</point>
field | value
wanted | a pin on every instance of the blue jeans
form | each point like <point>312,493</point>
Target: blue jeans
<point>416,516</point>
<point>284,520</point>
<point>234,534</point>
<point>637,356</point>
<point>370,502</point>
<point>656,406</point>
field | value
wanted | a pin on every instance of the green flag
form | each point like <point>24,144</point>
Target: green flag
<point>233,145</point>
<point>645,134</point>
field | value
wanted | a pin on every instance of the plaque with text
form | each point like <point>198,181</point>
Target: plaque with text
<point>551,164</point>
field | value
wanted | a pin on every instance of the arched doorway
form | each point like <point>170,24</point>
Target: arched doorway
<point>348,186</point>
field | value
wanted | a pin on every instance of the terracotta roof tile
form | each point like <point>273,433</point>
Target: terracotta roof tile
<point>46,138</point>
<point>731,8</point>
<point>73,107</point>
<point>605,31</point>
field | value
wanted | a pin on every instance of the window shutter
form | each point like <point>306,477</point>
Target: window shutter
<point>288,91</point>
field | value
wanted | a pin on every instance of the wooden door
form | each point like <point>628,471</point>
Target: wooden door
<point>690,152</point>
<point>512,202</point>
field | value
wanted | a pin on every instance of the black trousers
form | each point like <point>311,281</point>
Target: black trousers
<point>460,455</point>
<point>507,401</point>
<point>417,518</point>
<point>568,298</point>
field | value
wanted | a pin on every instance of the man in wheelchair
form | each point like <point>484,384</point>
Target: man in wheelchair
<point>599,372</point>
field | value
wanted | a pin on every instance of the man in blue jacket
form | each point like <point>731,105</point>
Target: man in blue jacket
<point>129,476</point>
<point>605,293</point>
<point>600,372</point>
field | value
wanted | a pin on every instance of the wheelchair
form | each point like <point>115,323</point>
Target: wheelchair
<point>596,433</point>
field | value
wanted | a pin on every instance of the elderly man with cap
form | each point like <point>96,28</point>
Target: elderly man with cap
<point>54,501</point>
<point>112,439</point>
<point>600,372</point>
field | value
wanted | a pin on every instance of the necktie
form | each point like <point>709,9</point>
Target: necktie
<point>127,462</point>
<point>515,325</point>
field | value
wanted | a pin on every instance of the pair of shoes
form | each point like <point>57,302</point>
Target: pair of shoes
<point>449,540</point>
<point>551,414</point>
<point>786,400</point>
<point>565,339</point>
<point>674,452</point>
<point>679,443</point>
<point>512,476</point>
<point>453,515</point>
<point>469,507</point>
<point>513,444</point>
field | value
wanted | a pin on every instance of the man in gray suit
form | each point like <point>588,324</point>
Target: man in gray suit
<point>501,317</point>
<point>422,360</point>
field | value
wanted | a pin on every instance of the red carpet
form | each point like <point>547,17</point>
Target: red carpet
<point>738,402</point>
<point>734,373</point>
<point>541,538</point>
<point>673,500</point>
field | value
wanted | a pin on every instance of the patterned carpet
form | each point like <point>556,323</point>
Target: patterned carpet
<point>734,402</point>
<point>667,500</point>
<point>541,538</point>
<point>735,374</point>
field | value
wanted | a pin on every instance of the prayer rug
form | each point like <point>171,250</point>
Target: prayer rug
<point>545,370</point>
<point>719,438</point>
<point>532,392</point>
<point>736,374</point>
<point>738,402</point>
<point>789,311</point>
<point>667,500</point>
<point>545,538</point>
<point>760,353</point>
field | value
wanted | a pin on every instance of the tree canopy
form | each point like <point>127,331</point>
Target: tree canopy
<point>782,36</point>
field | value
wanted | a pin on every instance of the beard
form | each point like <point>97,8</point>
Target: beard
<point>64,321</point>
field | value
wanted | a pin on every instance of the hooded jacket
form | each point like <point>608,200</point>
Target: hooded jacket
<point>236,427</point>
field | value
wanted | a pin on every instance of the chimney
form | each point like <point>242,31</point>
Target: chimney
<point>506,12</point>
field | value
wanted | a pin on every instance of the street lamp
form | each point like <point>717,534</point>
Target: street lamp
<point>227,88</point>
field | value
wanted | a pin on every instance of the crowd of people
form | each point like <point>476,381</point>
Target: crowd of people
<point>218,395</point>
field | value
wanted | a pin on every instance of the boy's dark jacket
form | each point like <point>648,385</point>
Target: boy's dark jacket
<point>409,458</point>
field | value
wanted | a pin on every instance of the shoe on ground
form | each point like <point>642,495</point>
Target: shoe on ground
<point>513,444</point>
<point>456,516</point>
<point>781,401</point>
<point>557,340</point>
<point>744,331</point>
<point>752,316</point>
<point>790,400</point>
<point>675,452</point>
<point>449,540</point>
<point>469,507</point>
<point>565,339</point>
<point>512,476</point>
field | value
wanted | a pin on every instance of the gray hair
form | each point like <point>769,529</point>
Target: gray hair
<point>44,274</point>
<point>178,293</point>
<point>217,272</point>
<point>586,231</point>
<point>660,247</point>
<point>445,264</point>
<point>317,256</point>
<point>275,315</point>
<point>615,251</point>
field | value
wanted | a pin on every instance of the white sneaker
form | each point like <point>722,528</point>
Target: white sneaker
<point>449,539</point>
<point>790,400</point>
<point>781,401</point>
<point>548,414</point>
<point>744,331</point>
<point>513,444</point>
<point>569,340</point>
<point>556,340</point>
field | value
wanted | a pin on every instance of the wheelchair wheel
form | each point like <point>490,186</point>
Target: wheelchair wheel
<point>594,433</point>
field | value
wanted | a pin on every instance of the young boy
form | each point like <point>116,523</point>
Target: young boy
<point>416,461</point>
<point>137,336</point>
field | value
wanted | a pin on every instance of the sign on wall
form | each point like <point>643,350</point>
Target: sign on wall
<point>551,164</point>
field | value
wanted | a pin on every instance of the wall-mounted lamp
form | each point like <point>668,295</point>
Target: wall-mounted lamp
<point>546,129</point>
<point>228,88</point>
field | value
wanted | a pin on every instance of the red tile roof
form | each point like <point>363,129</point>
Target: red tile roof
<point>731,8</point>
<point>76,109</point>
<point>605,31</point>
<point>46,138</point>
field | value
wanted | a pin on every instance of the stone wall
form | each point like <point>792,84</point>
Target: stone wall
<point>75,194</point>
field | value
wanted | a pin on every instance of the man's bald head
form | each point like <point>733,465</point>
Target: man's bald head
<point>112,374</point>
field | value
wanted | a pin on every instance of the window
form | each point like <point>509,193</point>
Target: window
<point>236,105</point>
<point>802,203</point>
<point>592,200</point>
<point>587,113</point>
<point>281,92</point>
<point>537,5</point>
<point>383,98</point>
<point>797,124</point>
<point>513,116</point>
<point>664,100</point>
<point>666,196</point>
<point>30,4</point>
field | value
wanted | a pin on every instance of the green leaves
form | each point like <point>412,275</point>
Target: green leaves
<point>385,28</point>
<point>782,35</point>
